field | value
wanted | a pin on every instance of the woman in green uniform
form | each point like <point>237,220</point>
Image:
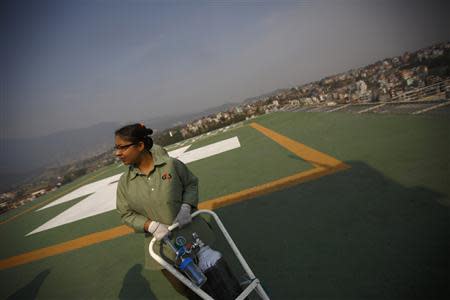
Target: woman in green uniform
<point>155,192</point>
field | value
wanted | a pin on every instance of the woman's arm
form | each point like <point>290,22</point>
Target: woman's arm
<point>147,224</point>
<point>189,181</point>
<point>128,216</point>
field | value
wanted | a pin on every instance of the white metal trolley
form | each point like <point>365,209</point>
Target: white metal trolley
<point>255,283</point>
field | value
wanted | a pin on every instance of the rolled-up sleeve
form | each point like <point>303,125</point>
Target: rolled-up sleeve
<point>190,183</point>
<point>128,216</point>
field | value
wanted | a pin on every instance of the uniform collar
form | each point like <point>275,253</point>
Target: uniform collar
<point>160,157</point>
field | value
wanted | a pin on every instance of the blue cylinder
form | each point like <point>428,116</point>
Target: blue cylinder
<point>192,271</point>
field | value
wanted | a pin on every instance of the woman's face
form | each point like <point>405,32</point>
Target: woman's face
<point>127,151</point>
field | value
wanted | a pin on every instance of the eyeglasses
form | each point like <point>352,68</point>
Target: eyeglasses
<point>123,147</point>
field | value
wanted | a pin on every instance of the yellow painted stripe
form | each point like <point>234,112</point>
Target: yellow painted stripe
<point>308,154</point>
<point>87,240</point>
<point>325,165</point>
<point>268,187</point>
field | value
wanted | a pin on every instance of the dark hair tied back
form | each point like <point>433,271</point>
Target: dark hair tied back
<point>136,133</point>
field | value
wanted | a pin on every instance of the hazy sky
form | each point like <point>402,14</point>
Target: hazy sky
<point>72,64</point>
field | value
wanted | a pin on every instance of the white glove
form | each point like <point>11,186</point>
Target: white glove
<point>159,230</point>
<point>184,215</point>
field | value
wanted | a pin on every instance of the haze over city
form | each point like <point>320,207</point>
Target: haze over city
<point>75,64</point>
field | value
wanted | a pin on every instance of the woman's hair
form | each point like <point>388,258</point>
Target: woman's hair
<point>136,133</point>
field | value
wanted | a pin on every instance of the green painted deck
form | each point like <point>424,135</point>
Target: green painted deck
<point>378,230</point>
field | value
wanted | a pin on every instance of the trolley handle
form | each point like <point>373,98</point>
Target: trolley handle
<point>176,225</point>
<point>193,215</point>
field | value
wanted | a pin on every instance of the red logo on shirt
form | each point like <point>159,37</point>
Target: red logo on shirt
<point>166,176</point>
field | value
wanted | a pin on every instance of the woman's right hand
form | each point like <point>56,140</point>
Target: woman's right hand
<point>158,230</point>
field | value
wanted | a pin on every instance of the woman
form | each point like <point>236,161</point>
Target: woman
<point>155,192</point>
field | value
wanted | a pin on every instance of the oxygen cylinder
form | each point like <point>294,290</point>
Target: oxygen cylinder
<point>221,283</point>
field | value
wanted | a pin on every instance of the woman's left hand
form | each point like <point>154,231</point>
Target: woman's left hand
<point>184,215</point>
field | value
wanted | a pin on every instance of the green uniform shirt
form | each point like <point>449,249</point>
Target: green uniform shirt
<point>158,196</point>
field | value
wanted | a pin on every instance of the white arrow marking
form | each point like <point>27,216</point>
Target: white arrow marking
<point>84,190</point>
<point>210,150</point>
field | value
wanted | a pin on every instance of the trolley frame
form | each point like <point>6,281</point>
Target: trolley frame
<point>255,283</point>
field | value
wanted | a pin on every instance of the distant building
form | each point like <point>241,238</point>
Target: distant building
<point>406,74</point>
<point>38,193</point>
<point>184,132</point>
<point>238,109</point>
<point>8,195</point>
